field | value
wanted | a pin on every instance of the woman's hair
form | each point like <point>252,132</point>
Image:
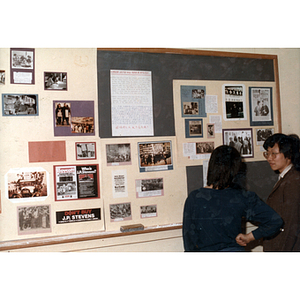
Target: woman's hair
<point>224,164</point>
<point>288,145</point>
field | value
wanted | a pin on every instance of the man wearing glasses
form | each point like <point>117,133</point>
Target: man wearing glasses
<point>282,154</point>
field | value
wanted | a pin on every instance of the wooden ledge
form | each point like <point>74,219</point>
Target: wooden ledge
<point>79,237</point>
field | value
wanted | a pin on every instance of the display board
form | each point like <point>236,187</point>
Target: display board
<point>132,133</point>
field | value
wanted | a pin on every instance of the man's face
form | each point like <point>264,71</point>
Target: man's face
<point>276,160</point>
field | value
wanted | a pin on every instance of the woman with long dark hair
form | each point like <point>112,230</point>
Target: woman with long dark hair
<point>212,218</point>
<point>282,153</point>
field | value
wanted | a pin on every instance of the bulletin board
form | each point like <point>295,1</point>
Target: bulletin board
<point>101,180</point>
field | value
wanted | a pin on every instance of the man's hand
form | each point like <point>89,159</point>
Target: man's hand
<point>244,239</point>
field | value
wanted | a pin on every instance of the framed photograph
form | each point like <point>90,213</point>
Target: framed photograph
<point>152,187</point>
<point>33,219</point>
<point>2,77</point>
<point>262,134</point>
<point>193,128</point>
<point>27,184</point>
<point>118,154</point>
<point>193,101</point>
<point>72,118</point>
<point>210,129</point>
<point>148,211</point>
<point>241,139</point>
<point>55,81</point>
<point>234,102</point>
<point>75,182</point>
<point>85,150</point>
<point>261,106</point>
<point>22,66</point>
<point>205,147</point>
<point>120,212</point>
<point>20,105</point>
<point>155,156</point>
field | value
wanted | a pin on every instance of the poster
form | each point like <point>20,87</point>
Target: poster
<point>76,182</point>
<point>119,180</point>
<point>131,103</point>
<point>80,215</point>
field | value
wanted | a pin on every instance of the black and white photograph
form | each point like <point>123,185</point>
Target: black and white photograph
<point>205,147</point>
<point>82,124</point>
<point>63,114</point>
<point>155,156</point>
<point>193,128</point>
<point>148,211</point>
<point>118,154</point>
<point>55,81</point>
<point>22,66</point>
<point>152,187</point>
<point>262,134</point>
<point>2,77</point>
<point>85,150</point>
<point>33,219</point>
<point>22,59</point>
<point>120,212</point>
<point>27,184</point>
<point>210,130</point>
<point>241,139</point>
<point>19,105</point>
<point>193,101</point>
<point>234,104</point>
<point>261,106</point>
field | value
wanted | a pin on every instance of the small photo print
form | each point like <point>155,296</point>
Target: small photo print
<point>118,154</point>
<point>85,150</point>
<point>148,211</point>
<point>120,212</point>
<point>62,114</point>
<point>33,219</point>
<point>2,77</point>
<point>55,81</point>
<point>190,108</point>
<point>205,147</point>
<point>149,187</point>
<point>210,130</point>
<point>193,128</point>
<point>82,124</point>
<point>19,105</point>
<point>262,134</point>
<point>22,59</point>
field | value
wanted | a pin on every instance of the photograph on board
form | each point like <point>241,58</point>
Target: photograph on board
<point>149,187</point>
<point>118,154</point>
<point>19,105</point>
<point>193,128</point>
<point>55,81</point>
<point>262,134</point>
<point>155,156</point>
<point>85,150</point>
<point>148,211</point>
<point>33,219</point>
<point>120,212</point>
<point>241,139</point>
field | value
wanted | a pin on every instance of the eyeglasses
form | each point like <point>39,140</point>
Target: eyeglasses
<point>267,154</point>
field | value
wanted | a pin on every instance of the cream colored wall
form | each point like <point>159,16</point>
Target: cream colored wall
<point>66,60</point>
